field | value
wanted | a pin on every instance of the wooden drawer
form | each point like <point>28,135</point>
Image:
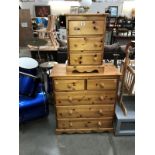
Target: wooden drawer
<point>85,97</point>
<point>86,43</point>
<point>85,123</point>
<point>70,85</point>
<point>86,27</point>
<point>101,84</point>
<point>86,59</point>
<point>85,111</point>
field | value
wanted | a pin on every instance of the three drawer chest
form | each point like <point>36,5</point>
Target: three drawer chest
<point>85,39</point>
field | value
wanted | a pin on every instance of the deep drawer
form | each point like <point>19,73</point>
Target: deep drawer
<point>101,84</point>
<point>86,27</point>
<point>86,43</point>
<point>85,111</point>
<point>85,123</point>
<point>85,97</point>
<point>69,85</point>
<point>86,59</point>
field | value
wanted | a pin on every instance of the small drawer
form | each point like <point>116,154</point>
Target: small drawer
<point>85,111</point>
<point>86,59</point>
<point>85,123</point>
<point>85,98</point>
<point>101,84</point>
<point>86,27</point>
<point>86,43</point>
<point>69,85</point>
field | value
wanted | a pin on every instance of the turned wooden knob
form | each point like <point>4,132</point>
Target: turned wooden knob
<point>70,124</point>
<point>93,22</point>
<point>70,98</point>
<point>75,59</point>
<point>95,45</point>
<point>102,85</point>
<point>101,98</point>
<point>75,45</point>
<point>56,83</point>
<point>101,111</point>
<point>70,112</point>
<point>99,124</point>
<point>95,58</point>
<point>69,85</point>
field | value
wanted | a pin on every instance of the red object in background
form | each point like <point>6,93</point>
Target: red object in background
<point>42,11</point>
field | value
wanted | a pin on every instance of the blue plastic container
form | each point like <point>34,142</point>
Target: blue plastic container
<point>28,65</point>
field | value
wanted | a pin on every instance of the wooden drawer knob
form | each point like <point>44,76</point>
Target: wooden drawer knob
<point>93,22</point>
<point>102,85</point>
<point>56,83</point>
<point>101,111</point>
<point>101,98</point>
<point>75,45</point>
<point>99,124</point>
<point>70,112</point>
<point>69,85</point>
<point>70,124</point>
<point>76,59</point>
<point>95,58</point>
<point>70,98</point>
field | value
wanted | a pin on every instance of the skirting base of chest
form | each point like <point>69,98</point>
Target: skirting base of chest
<point>85,69</point>
<point>92,130</point>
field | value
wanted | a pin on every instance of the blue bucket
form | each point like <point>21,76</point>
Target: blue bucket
<point>28,65</point>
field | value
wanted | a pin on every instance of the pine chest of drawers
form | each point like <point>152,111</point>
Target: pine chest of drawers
<point>84,102</point>
<point>85,38</point>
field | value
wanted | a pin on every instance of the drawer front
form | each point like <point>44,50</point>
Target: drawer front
<point>86,43</point>
<point>85,98</point>
<point>101,84</point>
<point>86,27</point>
<point>85,111</point>
<point>69,85</point>
<point>85,59</point>
<point>85,123</point>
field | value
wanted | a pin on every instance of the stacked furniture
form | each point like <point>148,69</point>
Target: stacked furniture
<point>85,89</point>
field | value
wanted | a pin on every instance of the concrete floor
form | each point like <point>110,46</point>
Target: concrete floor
<point>38,138</point>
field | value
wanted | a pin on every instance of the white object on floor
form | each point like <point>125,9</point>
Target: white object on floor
<point>27,63</point>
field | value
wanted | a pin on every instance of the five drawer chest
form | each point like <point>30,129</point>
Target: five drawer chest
<point>85,89</point>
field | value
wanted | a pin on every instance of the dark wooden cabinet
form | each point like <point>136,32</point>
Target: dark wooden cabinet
<point>25,27</point>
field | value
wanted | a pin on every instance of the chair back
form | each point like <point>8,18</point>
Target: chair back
<point>51,23</point>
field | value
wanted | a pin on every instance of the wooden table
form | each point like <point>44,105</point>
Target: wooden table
<point>48,52</point>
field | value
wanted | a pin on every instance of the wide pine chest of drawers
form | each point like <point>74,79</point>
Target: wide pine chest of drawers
<point>84,102</point>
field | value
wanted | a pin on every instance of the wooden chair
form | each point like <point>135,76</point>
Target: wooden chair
<point>129,81</point>
<point>49,32</point>
<point>128,78</point>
